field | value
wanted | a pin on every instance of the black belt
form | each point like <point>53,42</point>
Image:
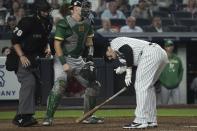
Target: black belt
<point>150,43</point>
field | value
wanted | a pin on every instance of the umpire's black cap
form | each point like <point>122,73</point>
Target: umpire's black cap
<point>42,5</point>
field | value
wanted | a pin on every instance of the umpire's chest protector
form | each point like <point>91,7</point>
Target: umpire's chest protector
<point>36,38</point>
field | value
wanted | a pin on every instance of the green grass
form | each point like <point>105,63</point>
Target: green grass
<point>107,113</point>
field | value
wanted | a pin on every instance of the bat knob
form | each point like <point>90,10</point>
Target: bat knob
<point>77,121</point>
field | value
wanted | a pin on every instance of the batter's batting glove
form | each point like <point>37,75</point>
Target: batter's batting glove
<point>120,69</point>
<point>128,77</point>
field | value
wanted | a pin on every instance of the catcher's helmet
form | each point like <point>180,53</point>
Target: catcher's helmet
<point>75,3</point>
<point>86,8</point>
<point>84,4</point>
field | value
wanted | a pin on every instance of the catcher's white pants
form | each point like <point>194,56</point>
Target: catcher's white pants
<point>151,63</point>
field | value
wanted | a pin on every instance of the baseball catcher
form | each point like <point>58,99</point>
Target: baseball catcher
<point>73,33</point>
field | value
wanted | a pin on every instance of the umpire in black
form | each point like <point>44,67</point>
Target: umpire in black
<point>30,41</point>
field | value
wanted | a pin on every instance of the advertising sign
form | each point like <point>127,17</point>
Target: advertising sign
<point>9,85</point>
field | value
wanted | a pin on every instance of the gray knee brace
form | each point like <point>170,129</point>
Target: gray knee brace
<point>59,86</point>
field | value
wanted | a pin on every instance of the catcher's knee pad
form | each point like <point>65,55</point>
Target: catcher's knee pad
<point>88,72</point>
<point>82,81</point>
<point>93,89</point>
<point>59,86</point>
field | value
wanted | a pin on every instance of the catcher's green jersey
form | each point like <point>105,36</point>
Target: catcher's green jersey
<point>73,34</point>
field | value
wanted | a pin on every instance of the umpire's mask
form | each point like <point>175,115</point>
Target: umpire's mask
<point>43,9</point>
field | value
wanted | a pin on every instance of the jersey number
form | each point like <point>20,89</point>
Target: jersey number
<point>17,31</point>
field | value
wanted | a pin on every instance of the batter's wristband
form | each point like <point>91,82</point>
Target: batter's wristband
<point>62,59</point>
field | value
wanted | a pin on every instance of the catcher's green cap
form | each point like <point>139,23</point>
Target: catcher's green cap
<point>168,43</point>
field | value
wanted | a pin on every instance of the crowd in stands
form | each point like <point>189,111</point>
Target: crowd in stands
<point>151,15</point>
<point>116,15</point>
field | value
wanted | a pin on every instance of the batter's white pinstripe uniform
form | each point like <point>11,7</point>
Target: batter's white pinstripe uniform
<point>150,60</point>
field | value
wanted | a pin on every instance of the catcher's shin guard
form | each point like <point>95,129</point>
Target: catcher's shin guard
<point>55,97</point>
<point>52,103</point>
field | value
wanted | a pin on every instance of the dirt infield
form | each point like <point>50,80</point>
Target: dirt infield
<point>111,124</point>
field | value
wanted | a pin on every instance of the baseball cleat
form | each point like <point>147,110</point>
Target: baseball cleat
<point>152,124</point>
<point>93,120</point>
<point>134,125</point>
<point>47,122</point>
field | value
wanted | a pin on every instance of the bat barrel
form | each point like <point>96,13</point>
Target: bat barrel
<point>88,114</point>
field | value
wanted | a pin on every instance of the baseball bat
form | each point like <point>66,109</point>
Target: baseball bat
<point>89,113</point>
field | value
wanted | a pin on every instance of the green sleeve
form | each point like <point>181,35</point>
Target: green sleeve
<point>62,30</point>
<point>61,34</point>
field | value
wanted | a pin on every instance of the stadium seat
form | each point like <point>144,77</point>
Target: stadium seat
<point>147,28</point>
<point>194,16</point>
<point>97,24</point>
<point>2,28</point>
<point>182,14</point>
<point>118,22</point>
<point>3,14</point>
<point>186,22</point>
<point>178,28</point>
<point>142,22</point>
<point>161,14</point>
<point>150,29</point>
<point>127,14</point>
<point>193,28</point>
<point>164,9</point>
<point>167,21</point>
<point>97,21</point>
